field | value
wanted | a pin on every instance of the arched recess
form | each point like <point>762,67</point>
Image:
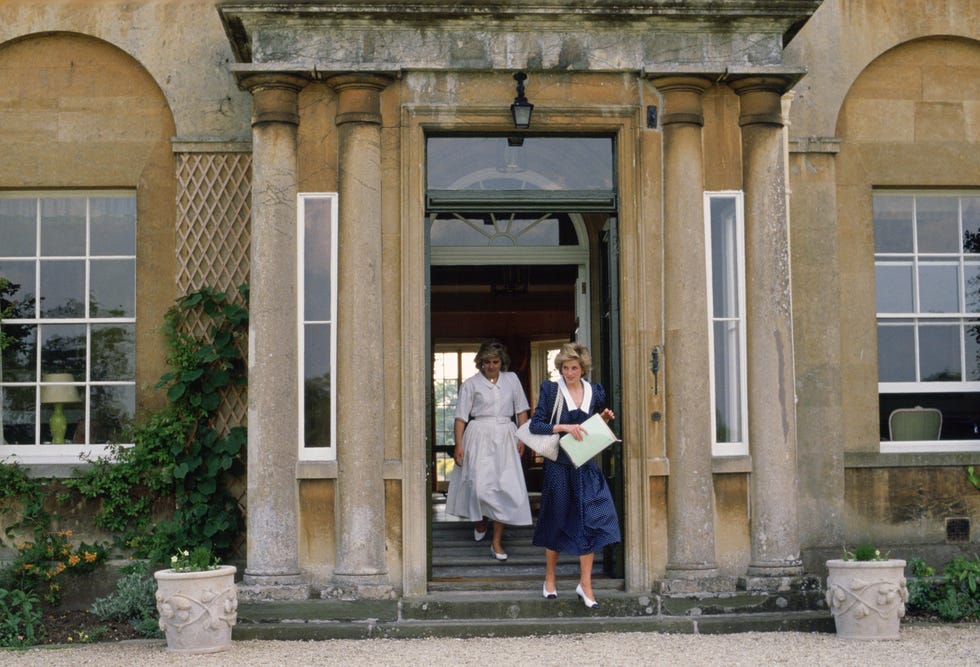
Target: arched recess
<point>82,115</point>
<point>909,121</point>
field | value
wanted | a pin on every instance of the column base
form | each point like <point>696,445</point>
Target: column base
<point>273,592</point>
<point>694,578</point>
<point>774,577</point>
<point>777,584</point>
<point>359,587</point>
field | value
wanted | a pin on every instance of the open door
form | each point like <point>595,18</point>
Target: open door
<point>517,241</point>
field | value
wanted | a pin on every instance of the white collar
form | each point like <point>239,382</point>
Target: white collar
<point>586,395</point>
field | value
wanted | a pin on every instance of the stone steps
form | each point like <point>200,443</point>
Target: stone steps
<point>523,613</point>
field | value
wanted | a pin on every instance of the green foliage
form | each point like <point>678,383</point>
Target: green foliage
<point>46,554</point>
<point>179,452</point>
<point>133,600</point>
<point>866,552</point>
<point>918,567</point>
<point>954,596</point>
<point>198,559</point>
<point>38,564</point>
<point>971,474</point>
<point>20,618</point>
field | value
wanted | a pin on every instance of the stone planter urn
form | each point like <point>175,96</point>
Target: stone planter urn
<point>867,598</point>
<point>197,609</point>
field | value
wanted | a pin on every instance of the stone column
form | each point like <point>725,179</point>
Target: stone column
<point>769,332</point>
<point>273,435</point>
<point>690,491</point>
<point>360,569</point>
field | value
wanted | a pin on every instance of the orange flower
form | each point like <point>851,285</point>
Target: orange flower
<point>90,557</point>
<point>74,560</point>
<point>28,567</point>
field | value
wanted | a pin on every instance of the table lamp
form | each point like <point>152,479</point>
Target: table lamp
<point>58,394</point>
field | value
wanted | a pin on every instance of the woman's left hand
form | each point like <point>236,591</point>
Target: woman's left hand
<point>607,415</point>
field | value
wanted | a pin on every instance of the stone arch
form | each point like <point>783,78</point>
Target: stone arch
<point>79,113</point>
<point>911,119</point>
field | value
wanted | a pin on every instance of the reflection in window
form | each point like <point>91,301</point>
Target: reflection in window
<point>67,317</point>
<point>318,302</point>
<point>726,271</point>
<point>927,282</point>
<point>450,366</point>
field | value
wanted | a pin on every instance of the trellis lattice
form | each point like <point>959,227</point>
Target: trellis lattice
<point>214,209</point>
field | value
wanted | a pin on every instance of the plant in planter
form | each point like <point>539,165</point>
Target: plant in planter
<point>198,602</point>
<point>866,592</point>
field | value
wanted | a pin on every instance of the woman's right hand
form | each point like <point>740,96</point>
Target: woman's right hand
<point>458,455</point>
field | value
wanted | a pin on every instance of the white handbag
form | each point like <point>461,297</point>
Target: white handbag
<point>545,445</point>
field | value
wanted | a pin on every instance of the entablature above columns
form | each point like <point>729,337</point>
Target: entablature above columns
<point>487,35</point>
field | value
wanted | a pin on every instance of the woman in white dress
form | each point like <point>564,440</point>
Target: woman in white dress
<point>487,482</point>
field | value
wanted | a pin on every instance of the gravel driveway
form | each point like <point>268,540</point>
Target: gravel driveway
<point>921,644</point>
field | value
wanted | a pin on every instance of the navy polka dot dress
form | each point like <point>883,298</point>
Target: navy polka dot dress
<point>577,513</point>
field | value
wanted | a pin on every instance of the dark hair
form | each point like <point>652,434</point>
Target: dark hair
<point>492,348</point>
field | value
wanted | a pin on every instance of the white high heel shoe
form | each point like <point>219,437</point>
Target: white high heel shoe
<point>586,600</point>
<point>493,552</point>
<point>548,595</point>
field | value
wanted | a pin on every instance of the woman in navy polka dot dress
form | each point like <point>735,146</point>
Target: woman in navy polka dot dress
<point>577,514</point>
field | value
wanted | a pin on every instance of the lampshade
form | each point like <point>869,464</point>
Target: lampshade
<point>59,393</point>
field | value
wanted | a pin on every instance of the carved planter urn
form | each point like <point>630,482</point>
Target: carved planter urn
<point>867,598</point>
<point>197,609</point>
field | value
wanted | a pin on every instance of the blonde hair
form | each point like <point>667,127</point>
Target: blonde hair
<point>489,350</point>
<point>574,352</point>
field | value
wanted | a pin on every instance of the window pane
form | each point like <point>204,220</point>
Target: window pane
<point>17,232</point>
<point>20,354</point>
<point>939,353</point>
<point>317,258</point>
<point>542,163</point>
<point>937,224</point>
<point>728,417</point>
<point>316,385</point>
<point>971,224</point>
<point>112,289</point>
<point>893,283</point>
<point>939,288</point>
<point>62,289</point>
<point>971,279</point>
<point>62,227</point>
<point>112,410</point>
<point>502,229</point>
<point>113,225</point>
<point>63,349</point>
<point>972,343</point>
<point>893,223</point>
<point>896,353</point>
<point>113,352</point>
<point>17,293</point>
<point>724,258</point>
<point>19,405</point>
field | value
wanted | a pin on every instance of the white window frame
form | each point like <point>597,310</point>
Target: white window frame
<point>327,452</point>
<point>69,452</point>
<point>921,319</point>
<point>738,447</point>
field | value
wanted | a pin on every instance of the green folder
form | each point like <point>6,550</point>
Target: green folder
<point>598,436</point>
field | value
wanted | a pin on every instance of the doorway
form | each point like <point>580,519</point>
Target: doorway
<point>517,241</point>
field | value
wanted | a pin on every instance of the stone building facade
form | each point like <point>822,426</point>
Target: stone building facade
<point>718,177</point>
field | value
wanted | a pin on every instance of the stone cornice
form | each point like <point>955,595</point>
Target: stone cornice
<point>540,35</point>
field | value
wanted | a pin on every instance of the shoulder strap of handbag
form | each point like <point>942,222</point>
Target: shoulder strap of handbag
<point>556,411</point>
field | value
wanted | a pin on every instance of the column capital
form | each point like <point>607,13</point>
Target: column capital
<point>359,96</point>
<point>760,98</point>
<point>275,96</point>
<point>682,96</point>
